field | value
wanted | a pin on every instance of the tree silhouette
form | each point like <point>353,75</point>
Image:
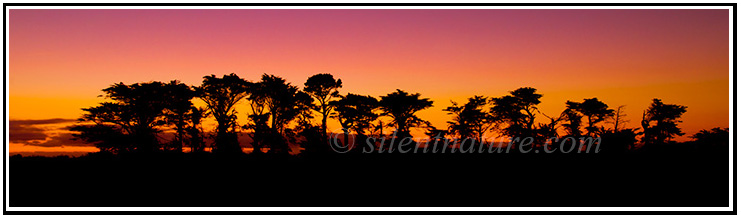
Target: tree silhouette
<point>435,133</point>
<point>301,111</point>
<point>546,131</point>
<point>285,103</point>
<point>470,120</point>
<point>132,117</point>
<point>517,111</point>
<point>195,130</point>
<point>177,109</point>
<point>595,111</point>
<point>221,96</point>
<point>660,122</point>
<point>618,141</point>
<point>715,140</point>
<point>401,106</point>
<point>573,118</point>
<point>106,137</point>
<point>713,134</point>
<point>355,113</point>
<point>258,115</point>
<point>135,113</point>
<point>618,118</point>
<point>323,88</point>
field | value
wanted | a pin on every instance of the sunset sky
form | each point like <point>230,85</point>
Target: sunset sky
<point>59,60</point>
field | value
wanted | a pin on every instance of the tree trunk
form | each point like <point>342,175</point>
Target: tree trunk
<point>347,137</point>
<point>324,126</point>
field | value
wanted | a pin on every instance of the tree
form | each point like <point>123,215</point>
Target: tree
<point>259,115</point>
<point>619,118</point>
<point>106,137</point>
<point>177,109</point>
<point>221,96</point>
<point>546,131</point>
<point>285,103</point>
<point>517,111</point>
<point>195,130</point>
<point>401,107</point>
<point>660,122</point>
<point>355,113</point>
<point>279,100</point>
<point>323,88</point>
<point>618,141</point>
<point>130,122</point>
<point>470,120</point>
<point>593,109</point>
<point>573,118</point>
<point>713,135</point>
<point>302,115</point>
<point>714,140</point>
<point>596,111</point>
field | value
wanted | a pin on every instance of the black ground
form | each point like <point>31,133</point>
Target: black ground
<point>379,180</point>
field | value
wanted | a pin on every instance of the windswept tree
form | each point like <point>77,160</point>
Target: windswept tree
<point>618,118</point>
<point>595,111</point>
<point>323,87</point>
<point>470,120</point>
<point>355,113</point>
<point>517,111</point>
<point>401,107</point>
<point>133,118</point>
<point>618,139</point>
<point>221,96</point>
<point>573,119</point>
<point>660,122</point>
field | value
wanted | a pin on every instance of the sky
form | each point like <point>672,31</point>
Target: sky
<point>61,59</point>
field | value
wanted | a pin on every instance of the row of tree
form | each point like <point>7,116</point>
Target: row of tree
<point>135,115</point>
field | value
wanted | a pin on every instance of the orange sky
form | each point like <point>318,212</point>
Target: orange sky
<point>61,59</point>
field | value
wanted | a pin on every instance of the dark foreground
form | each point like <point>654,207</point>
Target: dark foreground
<point>377,180</point>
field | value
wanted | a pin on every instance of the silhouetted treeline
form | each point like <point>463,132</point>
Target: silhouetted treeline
<point>134,116</point>
<point>139,166</point>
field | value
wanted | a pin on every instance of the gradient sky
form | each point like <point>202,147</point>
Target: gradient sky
<point>61,59</point>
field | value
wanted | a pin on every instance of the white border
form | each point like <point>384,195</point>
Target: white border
<point>732,79</point>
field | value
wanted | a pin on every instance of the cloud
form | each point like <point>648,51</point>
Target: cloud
<point>28,122</point>
<point>21,134</point>
<point>23,130</point>
<point>62,139</point>
<point>43,132</point>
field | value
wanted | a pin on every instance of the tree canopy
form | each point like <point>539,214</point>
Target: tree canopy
<point>401,107</point>
<point>138,117</point>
